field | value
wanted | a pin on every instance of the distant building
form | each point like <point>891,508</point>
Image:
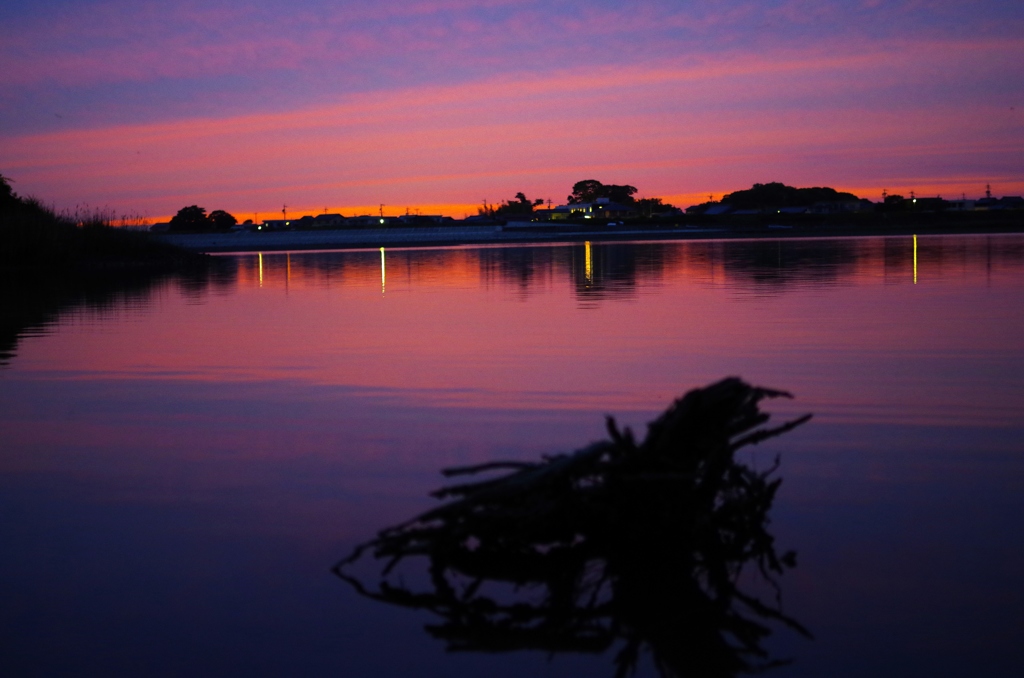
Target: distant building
<point>928,204</point>
<point>480,220</point>
<point>961,205</point>
<point>710,208</point>
<point>558,213</point>
<point>423,219</point>
<point>275,225</point>
<point>602,208</point>
<point>841,207</point>
<point>328,221</point>
<point>370,221</point>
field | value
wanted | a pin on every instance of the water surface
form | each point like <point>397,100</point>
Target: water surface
<point>181,466</point>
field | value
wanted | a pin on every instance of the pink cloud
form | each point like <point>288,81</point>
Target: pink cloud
<point>676,128</point>
<point>115,42</point>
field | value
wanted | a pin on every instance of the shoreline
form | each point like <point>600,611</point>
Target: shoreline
<point>449,236</point>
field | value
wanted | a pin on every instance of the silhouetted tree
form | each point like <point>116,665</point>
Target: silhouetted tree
<point>8,198</point>
<point>648,207</point>
<point>222,220</point>
<point>585,191</point>
<point>519,205</point>
<point>486,210</point>
<point>192,218</point>
<point>776,194</point>
<point>590,190</point>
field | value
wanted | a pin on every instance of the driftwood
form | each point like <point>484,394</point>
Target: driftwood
<point>619,542</point>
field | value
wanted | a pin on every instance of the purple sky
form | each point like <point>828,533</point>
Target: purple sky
<point>145,107</point>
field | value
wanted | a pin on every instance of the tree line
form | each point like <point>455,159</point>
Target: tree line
<point>760,196</point>
<point>583,192</point>
<point>194,218</point>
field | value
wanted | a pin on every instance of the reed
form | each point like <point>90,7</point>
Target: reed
<point>36,236</point>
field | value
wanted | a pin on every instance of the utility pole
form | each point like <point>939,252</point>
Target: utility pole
<point>382,210</point>
<point>988,191</point>
<point>284,212</point>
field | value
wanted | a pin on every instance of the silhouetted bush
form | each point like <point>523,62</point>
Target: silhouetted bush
<point>34,236</point>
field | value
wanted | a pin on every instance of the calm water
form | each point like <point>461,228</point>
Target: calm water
<point>180,466</point>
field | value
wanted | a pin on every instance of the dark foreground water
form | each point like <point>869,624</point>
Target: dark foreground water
<point>181,466</point>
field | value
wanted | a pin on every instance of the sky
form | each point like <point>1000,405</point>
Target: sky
<point>140,108</point>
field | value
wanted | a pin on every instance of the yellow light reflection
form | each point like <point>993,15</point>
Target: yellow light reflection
<point>261,269</point>
<point>915,259</point>
<point>589,265</point>
<point>382,277</point>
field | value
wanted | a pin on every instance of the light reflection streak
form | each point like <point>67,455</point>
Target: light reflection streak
<point>778,264</point>
<point>589,265</point>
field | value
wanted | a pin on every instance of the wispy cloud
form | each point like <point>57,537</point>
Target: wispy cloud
<point>451,101</point>
<point>116,41</point>
<point>672,129</point>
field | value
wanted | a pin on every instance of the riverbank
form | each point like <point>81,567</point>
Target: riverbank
<point>52,262</point>
<point>443,236</point>
<point>33,237</point>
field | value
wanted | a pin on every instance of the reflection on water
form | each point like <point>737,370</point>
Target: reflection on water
<point>620,543</point>
<point>443,323</point>
<point>31,303</point>
<point>182,459</point>
<point>617,270</point>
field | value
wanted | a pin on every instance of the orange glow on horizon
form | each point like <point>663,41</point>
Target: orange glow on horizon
<point>456,210</point>
<point>949,189</point>
<point>442,150</point>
